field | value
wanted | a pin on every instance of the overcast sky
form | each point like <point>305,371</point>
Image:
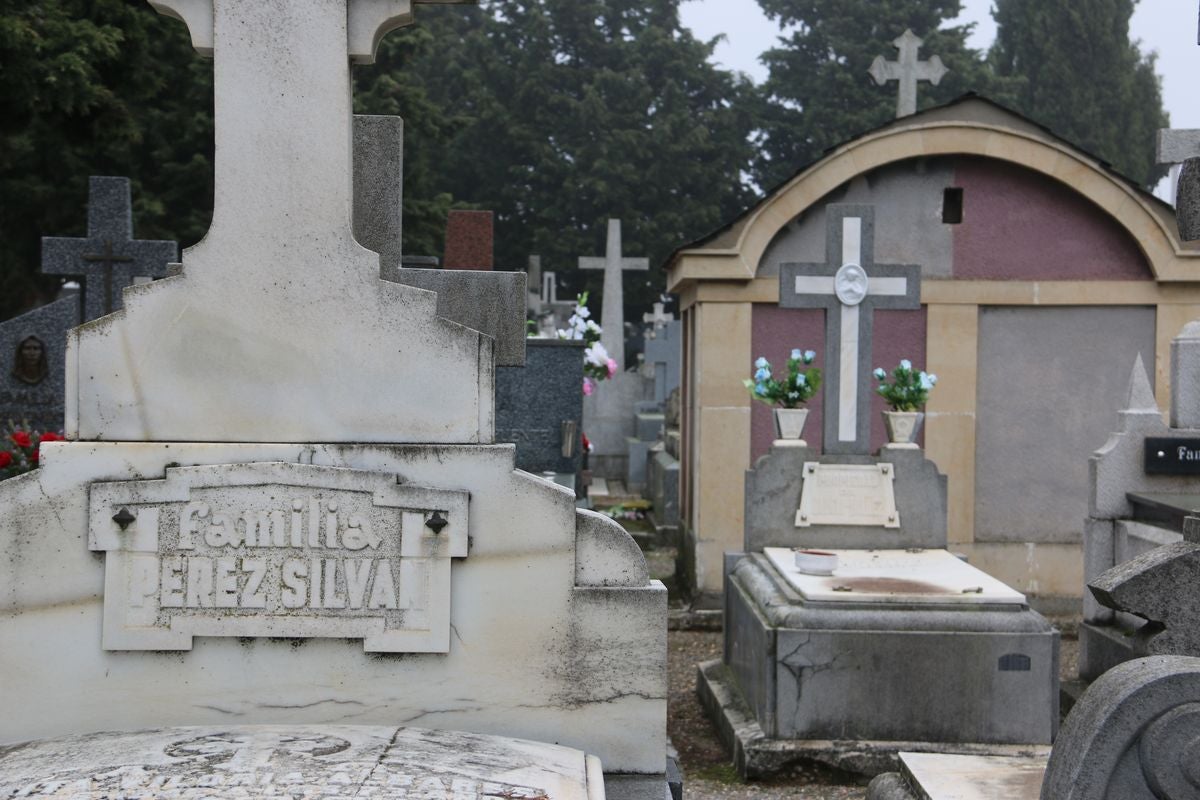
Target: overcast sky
<point>1167,27</point>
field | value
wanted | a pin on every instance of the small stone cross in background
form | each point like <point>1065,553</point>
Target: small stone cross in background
<point>1183,147</point>
<point>613,264</point>
<point>109,258</point>
<point>658,318</point>
<point>908,71</point>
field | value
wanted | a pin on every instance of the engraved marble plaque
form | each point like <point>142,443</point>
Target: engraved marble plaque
<point>277,550</point>
<point>298,761</point>
<point>848,494</point>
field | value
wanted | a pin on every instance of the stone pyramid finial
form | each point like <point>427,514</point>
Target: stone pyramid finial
<point>1140,396</point>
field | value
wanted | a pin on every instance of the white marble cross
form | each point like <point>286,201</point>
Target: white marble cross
<point>908,71</point>
<point>849,286</point>
<point>282,114</point>
<point>613,264</point>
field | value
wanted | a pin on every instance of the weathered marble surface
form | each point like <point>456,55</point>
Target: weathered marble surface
<point>556,632</point>
<point>298,761</point>
<point>924,577</point>
<point>279,328</point>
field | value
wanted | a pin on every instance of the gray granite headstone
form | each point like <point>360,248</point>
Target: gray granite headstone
<point>489,302</point>
<point>540,405</point>
<point>850,286</point>
<point>664,353</point>
<point>33,349</point>
<point>109,258</point>
<point>33,345</point>
<point>907,71</point>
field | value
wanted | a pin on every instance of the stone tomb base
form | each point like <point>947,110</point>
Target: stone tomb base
<point>894,661</point>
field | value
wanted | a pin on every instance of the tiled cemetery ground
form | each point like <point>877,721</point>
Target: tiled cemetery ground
<point>703,759</point>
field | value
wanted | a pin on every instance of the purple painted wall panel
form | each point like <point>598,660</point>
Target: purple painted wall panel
<point>774,333</point>
<point>1020,225</point>
<point>898,334</point>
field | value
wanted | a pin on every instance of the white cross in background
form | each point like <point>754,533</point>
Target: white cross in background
<point>846,285</point>
<point>908,71</point>
<point>614,265</point>
<point>658,318</point>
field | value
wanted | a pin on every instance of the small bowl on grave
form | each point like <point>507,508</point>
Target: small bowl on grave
<point>816,562</point>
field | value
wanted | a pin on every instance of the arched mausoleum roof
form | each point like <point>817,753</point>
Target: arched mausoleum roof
<point>969,126</point>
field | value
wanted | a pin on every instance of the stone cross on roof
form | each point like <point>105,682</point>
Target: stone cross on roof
<point>109,258</point>
<point>908,71</point>
<point>850,286</point>
<point>613,264</point>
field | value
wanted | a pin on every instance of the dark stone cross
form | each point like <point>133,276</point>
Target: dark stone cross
<point>849,286</point>
<point>109,258</point>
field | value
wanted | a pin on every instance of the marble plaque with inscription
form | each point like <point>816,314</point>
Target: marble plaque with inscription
<point>848,494</point>
<point>276,550</point>
<point>294,761</point>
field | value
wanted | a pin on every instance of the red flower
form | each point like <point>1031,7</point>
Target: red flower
<point>21,439</point>
<point>5,458</point>
<point>51,436</point>
<point>33,457</point>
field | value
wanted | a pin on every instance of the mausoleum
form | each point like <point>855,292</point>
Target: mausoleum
<point>1037,275</point>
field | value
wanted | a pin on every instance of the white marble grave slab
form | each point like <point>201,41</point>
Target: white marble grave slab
<point>895,576</point>
<point>848,494</point>
<point>955,777</point>
<point>296,761</point>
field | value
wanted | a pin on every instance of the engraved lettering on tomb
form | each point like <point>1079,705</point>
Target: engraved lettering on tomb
<point>276,550</point>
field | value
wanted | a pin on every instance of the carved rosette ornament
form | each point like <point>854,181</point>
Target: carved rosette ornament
<point>1134,735</point>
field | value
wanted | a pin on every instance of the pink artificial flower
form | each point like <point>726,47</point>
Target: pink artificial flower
<point>587,386</point>
<point>612,368</point>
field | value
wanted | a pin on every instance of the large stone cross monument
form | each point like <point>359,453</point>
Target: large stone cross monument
<point>850,286</point>
<point>907,70</point>
<point>614,265</point>
<point>280,249</point>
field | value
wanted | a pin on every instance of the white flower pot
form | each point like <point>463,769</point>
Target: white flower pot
<point>903,426</point>
<point>789,422</point>
<point>816,562</point>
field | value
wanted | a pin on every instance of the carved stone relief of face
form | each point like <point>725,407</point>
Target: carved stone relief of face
<point>851,284</point>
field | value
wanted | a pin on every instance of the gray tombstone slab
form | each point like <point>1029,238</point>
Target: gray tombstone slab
<point>614,266</point>
<point>908,71</point>
<point>664,353</point>
<point>109,258</point>
<point>539,407</point>
<point>33,349</point>
<point>489,302</point>
<point>1133,513</point>
<point>849,286</point>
